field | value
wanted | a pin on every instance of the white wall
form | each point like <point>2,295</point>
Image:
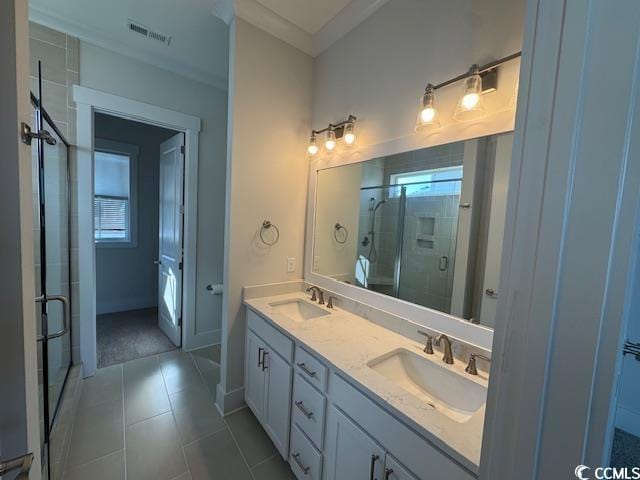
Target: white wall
<point>126,278</point>
<point>269,100</point>
<point>110,72</point>
<point>378,71</point>
<point>338,196</point>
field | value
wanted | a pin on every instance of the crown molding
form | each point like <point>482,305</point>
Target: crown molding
<point>50,19</point>
<point>266,19</point>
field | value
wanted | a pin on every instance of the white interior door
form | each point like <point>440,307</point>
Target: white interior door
<point>170,241</point>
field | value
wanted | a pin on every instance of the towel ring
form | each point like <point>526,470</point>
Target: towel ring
<point>336,228</point>
<point>266,225</point>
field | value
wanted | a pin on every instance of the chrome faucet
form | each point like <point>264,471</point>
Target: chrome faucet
<point>448,353</point>
<point>313,289</point>
<point>471,366</point>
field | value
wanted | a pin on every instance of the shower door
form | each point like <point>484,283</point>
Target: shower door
<point>52,272</point>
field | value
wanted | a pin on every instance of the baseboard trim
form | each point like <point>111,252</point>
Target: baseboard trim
<point>229,402</point>
<point>628,420</point>
<point>116,306</point>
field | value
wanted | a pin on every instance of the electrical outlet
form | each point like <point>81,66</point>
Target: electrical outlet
<point>291,265</point>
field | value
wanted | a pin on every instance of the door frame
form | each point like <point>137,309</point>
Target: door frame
<point>89,102</point>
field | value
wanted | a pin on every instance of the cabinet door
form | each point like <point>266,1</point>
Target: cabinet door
<point>351,454</point>
<point>278,400</point>
<point>254,375</point>
<point>394,471</point>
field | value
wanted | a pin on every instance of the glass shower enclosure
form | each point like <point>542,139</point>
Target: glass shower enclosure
<point>51,228</point>
<point>407,241</point>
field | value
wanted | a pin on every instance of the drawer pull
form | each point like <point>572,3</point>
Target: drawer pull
<point>387,473</point>
<point>302,408</point>
<point>304,368</point>
<point>264,360</point>
<point>260,360</point>
<point>374,459</point>
<point>305,470</point>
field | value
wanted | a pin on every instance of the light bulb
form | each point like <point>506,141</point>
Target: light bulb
<point>428,114</point>
<point>470,100</point>
<point>330,143</point>
<point>312,149</point>
<point>349,134</point>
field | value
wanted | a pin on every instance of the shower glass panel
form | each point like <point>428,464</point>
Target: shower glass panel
<point>429,244</point>
<point>377,240</point>
<point>50,173</point>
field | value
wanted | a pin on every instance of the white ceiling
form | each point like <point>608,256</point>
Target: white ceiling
<point>309,15</point>
<point>199,44</point>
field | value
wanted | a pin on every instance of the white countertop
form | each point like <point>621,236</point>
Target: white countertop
<point>348,342</point>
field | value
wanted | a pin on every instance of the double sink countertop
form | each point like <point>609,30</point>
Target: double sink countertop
<point>349,343</point>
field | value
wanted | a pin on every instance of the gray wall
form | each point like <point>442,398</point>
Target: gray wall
<point>126,278</point>
<point>110,72</point>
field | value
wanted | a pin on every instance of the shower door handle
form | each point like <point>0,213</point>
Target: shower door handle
<point>66,315</point>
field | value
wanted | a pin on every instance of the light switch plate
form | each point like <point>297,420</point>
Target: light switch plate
<point>291,265</point>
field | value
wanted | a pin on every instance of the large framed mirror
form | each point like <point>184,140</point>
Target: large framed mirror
<point>423,226</point>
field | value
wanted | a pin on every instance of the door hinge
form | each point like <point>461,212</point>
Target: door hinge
<point>180,265</point>
<point>180,321</point>
<point>182,149</point>
<point>182,209</point>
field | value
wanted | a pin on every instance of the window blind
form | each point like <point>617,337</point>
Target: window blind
<point>111,218</point>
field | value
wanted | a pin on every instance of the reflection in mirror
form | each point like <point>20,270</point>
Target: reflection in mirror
<point>424,226</point>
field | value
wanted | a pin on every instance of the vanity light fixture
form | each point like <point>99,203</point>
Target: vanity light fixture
<point>345,131</point>
<point>478,80</point>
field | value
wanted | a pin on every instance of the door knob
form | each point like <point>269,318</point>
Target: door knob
<point>157,262</point>
<point>490,292</point>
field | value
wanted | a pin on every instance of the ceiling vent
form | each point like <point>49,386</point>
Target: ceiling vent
<point>140,29</point>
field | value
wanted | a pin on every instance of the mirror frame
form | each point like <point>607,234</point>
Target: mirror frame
<point>474,334</point>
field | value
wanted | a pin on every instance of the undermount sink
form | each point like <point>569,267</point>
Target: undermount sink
<point>446,391</point>
<point>298,310</point>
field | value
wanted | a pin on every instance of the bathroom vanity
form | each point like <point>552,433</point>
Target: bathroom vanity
<point>343,397</point>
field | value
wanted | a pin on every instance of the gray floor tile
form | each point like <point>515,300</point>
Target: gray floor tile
<point>195,413</point>
<point>153,450</point>
<point>145,395</point>
<point>216,457</point>
<point>273,469</point>
<point>254,443</point>
<point>210,353</point>
<point>104,386</point>
<point>97,431</point>
<point>179,371</point>
<point>210,372</point>
<point>110,467</point>
<point>184,476</point>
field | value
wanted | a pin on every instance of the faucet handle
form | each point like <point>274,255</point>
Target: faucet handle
<point>471,366</point>
<point>330,301</point>
<point>428,348</point>
<point>313,293</point>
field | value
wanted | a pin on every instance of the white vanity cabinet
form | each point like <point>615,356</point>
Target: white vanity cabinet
<point>351,453</point>
<point>268,378</point>
<point>323,425</point>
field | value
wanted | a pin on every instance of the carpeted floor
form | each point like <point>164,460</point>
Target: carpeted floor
<point>626,450</point>
<point>129,335</point>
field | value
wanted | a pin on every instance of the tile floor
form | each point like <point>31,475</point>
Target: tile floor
<point>154,418</point>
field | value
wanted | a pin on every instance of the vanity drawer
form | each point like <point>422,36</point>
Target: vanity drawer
<point>276,340</point>
<point>308,408</point>
<point>305,459</point>
<point>311,369</point>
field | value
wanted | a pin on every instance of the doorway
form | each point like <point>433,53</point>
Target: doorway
<point>176,253</point>
<point>138,192</point>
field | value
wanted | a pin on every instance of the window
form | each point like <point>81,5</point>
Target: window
<point>114,194</point>
<point>429,182</point>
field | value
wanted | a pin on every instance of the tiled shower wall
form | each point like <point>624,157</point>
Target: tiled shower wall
<point>60,57</point>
